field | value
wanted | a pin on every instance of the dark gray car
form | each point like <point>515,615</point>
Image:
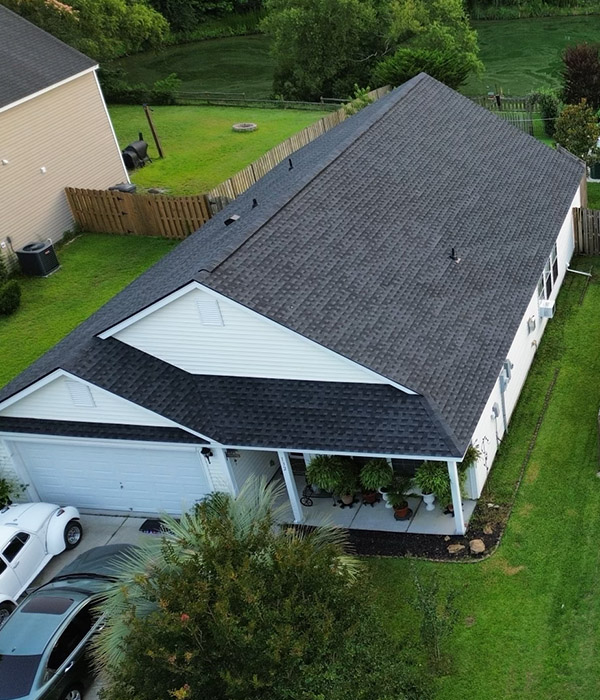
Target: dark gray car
<point>43,643</point>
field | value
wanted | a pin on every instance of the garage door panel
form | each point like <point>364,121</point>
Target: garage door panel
<point>123,478</point>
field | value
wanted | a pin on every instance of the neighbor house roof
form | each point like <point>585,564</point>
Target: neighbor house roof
<point>350,242</point>
<point>32,60</point>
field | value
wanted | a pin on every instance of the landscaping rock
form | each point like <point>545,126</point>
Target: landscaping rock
<point>447,538</point>
<point>455,548</point>
<point>477,546</point>
<point>487,529</point>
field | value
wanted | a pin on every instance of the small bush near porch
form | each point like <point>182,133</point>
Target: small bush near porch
<point>94,267</point>
<point>529,615</point>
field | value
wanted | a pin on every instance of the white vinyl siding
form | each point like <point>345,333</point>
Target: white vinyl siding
<point>245,345</point>
<point>66,131</point>
<point>253,462</point>
<point>54,402</point>
<point>490,430</point>
<point>122,476</point>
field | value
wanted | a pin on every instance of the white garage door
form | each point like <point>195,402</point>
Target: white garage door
<point>122,477</point>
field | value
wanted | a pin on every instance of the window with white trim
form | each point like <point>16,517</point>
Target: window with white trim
<point>549,276</point>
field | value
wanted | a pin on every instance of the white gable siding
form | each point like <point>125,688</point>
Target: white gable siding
<point>245,345</point>
<point>54,402</point>
<point>489,430</point>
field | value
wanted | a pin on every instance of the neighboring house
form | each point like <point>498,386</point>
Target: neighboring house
<point>55,132</point>
<point>322,312</point>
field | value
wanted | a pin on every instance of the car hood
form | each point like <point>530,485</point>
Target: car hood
<point>25,516</point>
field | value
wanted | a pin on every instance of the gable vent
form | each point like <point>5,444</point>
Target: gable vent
<point>81,394</point>
<point>210,313</point>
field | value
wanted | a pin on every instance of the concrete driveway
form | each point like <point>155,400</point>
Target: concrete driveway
<point>97,530</point>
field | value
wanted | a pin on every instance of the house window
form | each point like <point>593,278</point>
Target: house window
<point>210,313</point>
<point>549,276</point>
<point>81,394</point>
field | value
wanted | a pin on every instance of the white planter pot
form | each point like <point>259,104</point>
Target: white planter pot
<point>385,497</point>
<point>428,499</point>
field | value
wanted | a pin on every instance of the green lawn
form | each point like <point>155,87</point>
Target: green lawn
<point>530,615</point>
<point>200,148</point>
<point>234,64</point>
<point>523,55</point>
<point>94,267</point>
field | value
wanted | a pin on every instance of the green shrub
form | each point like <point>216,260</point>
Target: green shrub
<point>117,90</point>
<point>549,105</point>
<point>10,297</point>
<point>164,91</point>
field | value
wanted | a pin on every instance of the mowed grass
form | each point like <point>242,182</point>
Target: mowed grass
<point>239,64</point>
<point>529,616</point>
<point>201,150</point>
<point>525,54</point>
<point>94,267</point>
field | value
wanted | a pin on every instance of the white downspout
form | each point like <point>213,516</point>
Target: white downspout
<point>290,485</point>
<point>459,518</point>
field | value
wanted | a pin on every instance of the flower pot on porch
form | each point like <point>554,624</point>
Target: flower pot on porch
<point>370,498</point>
<point>402,511</point>
<point>428,499</point>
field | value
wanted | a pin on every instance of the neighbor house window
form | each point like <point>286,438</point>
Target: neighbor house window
<point>549,276</point>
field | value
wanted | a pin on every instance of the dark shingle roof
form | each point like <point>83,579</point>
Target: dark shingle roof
<point>31,59</point>
<point>351,248</point>
<point>105,431</point>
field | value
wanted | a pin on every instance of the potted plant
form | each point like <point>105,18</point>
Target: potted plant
<point>375,475</point>
<point>325,471</point>
<point>347,485</point>
<point>397,497</point>
<point>10,489</point>
<point>433,480</point>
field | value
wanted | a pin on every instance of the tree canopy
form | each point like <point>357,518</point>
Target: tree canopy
<point>581,74</point>
<point>228,606</point>
<point>578,131</point>
<point>324,47</point>
<point>102,29</point>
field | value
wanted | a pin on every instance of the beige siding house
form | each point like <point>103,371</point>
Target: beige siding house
<point>55,132</point>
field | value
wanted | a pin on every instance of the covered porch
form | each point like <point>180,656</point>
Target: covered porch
<point>310,507</point>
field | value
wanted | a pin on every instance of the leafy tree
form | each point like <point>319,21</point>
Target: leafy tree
<point>228,607</point>
<point>321,47</point>
<point>581,74</point>
<point>433,37</point>
<point>578,131</point>
<point>448,68</point>
<point>102,29</point>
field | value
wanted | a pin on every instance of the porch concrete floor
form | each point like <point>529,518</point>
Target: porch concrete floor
<point>378,517</point>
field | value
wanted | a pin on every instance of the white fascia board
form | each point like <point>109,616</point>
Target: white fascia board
<point>68,375</point>
<point>101,95</point>
<point>47,89</point>
<point>375,455</point>
<point>186,289</point>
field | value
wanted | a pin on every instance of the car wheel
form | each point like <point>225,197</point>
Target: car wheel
<point>72,693</point>
<point>73,533</point>
<point>5,610</point>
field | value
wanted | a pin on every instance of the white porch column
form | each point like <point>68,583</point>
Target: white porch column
<point>290,485</point>
<point>459,519</point>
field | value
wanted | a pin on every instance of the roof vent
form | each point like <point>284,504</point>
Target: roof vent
<point>454,256</point>
<point>231,219</point>
<point>290,164</point>
<point>80,394</point>
<point>254,203</point>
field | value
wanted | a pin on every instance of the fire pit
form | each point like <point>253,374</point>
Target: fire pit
<point>245,126</point>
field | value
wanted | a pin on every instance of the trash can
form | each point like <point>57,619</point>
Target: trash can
<point>38,259</point>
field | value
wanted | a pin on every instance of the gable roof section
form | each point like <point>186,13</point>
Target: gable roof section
<point>32,60</point>
<point>351,248</point>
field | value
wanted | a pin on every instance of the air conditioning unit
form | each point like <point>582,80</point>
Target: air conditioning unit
<point>546,308</point>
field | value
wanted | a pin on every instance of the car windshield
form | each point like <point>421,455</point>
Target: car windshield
<point>16,675</point>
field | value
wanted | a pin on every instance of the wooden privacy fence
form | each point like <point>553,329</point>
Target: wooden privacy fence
<point>111,211</point>
<point>586,225</point>
<point>501,103</point>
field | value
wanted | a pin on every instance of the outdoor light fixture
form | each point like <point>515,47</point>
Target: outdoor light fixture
<point>207,452</point>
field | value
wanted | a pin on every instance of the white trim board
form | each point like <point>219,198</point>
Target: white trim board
<point>194,285</point>
<point>16,103</point>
